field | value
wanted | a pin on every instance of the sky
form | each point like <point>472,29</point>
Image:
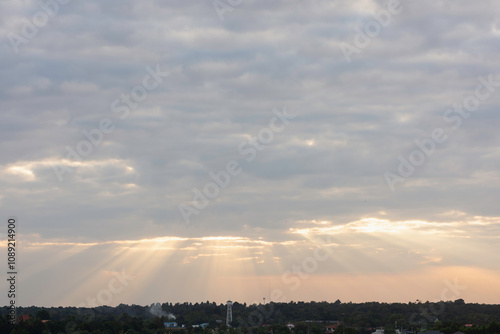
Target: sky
<point>293,150</point>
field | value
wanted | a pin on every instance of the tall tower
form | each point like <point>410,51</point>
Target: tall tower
<point>229,316</point>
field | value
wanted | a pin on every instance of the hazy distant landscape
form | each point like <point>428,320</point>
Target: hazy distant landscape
<point>279,318</point>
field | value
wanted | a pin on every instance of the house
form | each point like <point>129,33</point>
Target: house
<point>203,325</point>
<point>170,324</point>
<point>329,329</point>
<point>24,317</point>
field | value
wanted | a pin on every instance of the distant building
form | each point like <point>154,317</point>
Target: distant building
<point>170,324</point>
<point>203,325</point>
<point>329,329</point>
<point>24,317</point>
<point>229,314</point>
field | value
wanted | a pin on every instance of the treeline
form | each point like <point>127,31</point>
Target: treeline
<point>308,318</point>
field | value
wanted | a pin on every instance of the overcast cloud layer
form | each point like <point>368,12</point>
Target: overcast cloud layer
<point>325,170</point>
